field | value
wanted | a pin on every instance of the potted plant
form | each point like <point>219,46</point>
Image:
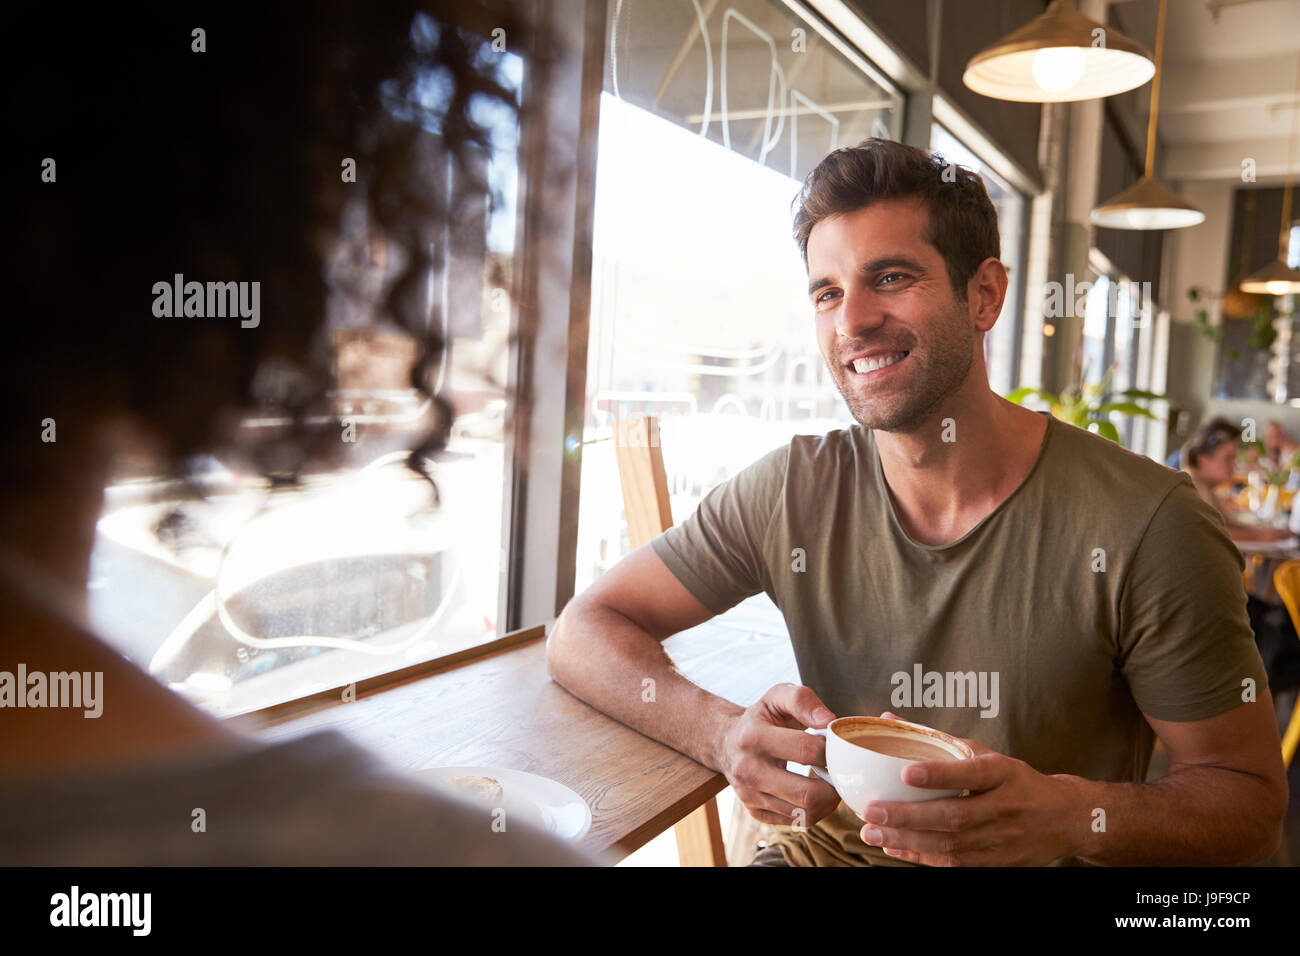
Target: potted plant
<point>1235,304</point>
<point>1089,406</point>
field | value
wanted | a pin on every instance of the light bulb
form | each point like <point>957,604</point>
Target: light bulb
<point>1058,68</point>
<point>1278,288</point>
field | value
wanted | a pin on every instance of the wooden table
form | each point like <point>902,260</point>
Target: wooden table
<point>498,707</point>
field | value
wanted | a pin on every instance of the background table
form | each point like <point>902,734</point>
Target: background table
<point>1262,559</point>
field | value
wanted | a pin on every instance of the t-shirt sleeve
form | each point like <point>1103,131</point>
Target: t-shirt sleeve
<point>1186,644</point>
<point>717,552</point>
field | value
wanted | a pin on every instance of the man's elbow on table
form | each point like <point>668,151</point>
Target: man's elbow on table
<point>569,642</point>
<point>624,615</point>
<point>557,645</point>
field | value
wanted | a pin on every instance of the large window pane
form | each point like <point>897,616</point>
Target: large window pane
<point>753,76</point>
<point>1001,354</point>
<point>1126,333</point>
<point>699,301</point>
<point>1096,330</point>
<point>241,596</point>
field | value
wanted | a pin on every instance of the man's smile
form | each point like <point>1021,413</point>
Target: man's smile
<point>875,364</point>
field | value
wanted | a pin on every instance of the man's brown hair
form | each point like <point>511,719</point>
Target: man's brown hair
<point>963,223</point>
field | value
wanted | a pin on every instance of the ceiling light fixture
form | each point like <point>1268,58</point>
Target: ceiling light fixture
<point>1149,203</point>
<point>1278,278</point>
<point>1059,57</point>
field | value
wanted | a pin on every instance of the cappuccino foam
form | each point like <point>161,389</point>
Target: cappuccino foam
<point>908,748</point>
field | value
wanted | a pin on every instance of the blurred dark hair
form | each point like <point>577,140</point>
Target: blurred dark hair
<point>226,165</point>
<point>1208,437</point>
<point>963,224</point>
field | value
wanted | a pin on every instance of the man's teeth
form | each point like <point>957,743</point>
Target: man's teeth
<point>864,365</point>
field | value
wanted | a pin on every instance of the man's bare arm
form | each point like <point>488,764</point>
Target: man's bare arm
<point>1222,803</point>
<point>609,641</point>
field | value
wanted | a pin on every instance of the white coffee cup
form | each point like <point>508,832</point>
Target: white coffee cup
<point>861,775</point>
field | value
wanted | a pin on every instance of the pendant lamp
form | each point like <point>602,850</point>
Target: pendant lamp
<point>1059,57</point>
<point>1149,203</point>
<point>1277,278</point>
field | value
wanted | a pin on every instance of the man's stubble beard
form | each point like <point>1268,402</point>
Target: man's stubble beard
<point>949,358</point>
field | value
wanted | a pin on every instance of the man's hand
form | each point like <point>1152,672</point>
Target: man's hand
<point>757,746</point>
<point>1013,816</point>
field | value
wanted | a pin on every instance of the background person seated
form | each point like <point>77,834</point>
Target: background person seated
<point>1210,458</point>
<point>1278,445</point>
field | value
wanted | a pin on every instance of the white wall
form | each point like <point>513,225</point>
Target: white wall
<point>1198,257</point>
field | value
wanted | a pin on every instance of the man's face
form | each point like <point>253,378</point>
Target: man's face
<point>881,295</point>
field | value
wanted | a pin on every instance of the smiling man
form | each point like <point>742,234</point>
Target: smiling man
<point>952,540</point>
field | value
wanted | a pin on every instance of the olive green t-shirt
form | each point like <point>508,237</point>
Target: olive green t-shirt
<point>1104,588</point>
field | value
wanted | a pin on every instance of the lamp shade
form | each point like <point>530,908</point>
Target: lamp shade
<point>1147,204</point>
<point>1059,57</point>
<point>1276,278</point>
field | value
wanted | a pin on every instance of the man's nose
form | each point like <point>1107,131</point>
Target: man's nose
<point>860,312</point>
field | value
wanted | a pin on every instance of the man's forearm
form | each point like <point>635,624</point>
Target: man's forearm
<point>604,658</point>
<point>1206,816</point>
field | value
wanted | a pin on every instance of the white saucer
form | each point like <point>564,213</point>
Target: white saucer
<point>539,801</point>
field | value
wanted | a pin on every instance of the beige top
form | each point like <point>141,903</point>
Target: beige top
<point>316,800</point>
<point>1101,590</point>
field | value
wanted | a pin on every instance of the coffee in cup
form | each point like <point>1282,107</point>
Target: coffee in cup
<point>865,758</point>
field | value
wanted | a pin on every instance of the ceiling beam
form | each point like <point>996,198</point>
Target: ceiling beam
<point>1224,160</point>
<point>1228,84</point>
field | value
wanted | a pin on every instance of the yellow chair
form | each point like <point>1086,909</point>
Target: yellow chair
<point>1287,581</point>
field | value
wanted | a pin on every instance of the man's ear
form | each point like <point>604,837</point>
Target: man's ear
<point>987,289</point>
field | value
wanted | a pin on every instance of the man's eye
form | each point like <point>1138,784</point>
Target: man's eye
<point>892,275</point>
<point>822,296</point>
